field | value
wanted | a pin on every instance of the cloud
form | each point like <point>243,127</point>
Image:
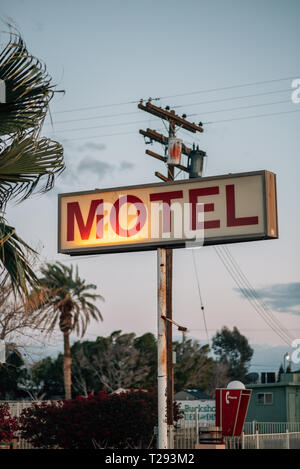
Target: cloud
<point>76,172</point>
<point>92,146</point>
<point>281,297</point>
<point>93,165</point>
<point>101,168</point>
<point>125,165</point>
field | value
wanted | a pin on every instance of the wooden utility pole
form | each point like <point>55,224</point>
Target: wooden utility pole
<point>169,332</point>
<point>162,371</point>
<point>165,258</point>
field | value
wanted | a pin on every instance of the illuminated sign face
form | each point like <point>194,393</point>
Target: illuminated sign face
<point>202,211</point>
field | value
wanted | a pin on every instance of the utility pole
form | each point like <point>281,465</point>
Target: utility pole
<point>169,332</point>
<point>162,372</point>
<point>165,258</point>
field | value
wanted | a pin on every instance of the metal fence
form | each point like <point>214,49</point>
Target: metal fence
<point>271,427</point>
<point>16,408</point>
<point>185,434</point>
<point>287,440</point>
<point>256,435</point>
<point>186,430</point>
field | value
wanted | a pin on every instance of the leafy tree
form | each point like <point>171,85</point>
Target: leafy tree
<point>15,321</point>
<point>233,349</point>
<point>147,348</point>
<point>218,378</point>
<point>193,366</point>
<point>84,381</point>
<point>92,359</point>
<point>111,362</point>
<point>11,374</point>
<point>46,376</point>
<point>280,372</point>
<point>289,368</point>
<point>64,299</point>
<point>27,163</point>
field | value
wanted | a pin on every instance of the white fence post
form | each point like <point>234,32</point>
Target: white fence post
<point>257,439</point>
<point>197,426</point>
<point>287,439</point>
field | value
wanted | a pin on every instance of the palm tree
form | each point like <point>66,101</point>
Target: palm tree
<point>27,162</point>
<point>64,299</point>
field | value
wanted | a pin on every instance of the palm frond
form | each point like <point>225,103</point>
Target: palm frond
<point>26,163</point>
<point>28,88</point>
<point>13,257</point>
<point>65,289</point>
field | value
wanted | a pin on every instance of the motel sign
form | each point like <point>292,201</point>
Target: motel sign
<point>209,210</point>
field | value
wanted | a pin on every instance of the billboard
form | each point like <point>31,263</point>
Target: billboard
<point>193,212</point>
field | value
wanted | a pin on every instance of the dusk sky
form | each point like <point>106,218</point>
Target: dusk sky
<point>230,64</point>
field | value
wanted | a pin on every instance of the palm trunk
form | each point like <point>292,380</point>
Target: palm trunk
<point>67,366</point>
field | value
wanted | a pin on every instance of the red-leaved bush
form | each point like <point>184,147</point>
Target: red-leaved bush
<point>8,424</point>
<point>107,421</point>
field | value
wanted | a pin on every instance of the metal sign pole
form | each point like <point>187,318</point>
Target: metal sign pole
<point>162,442</point>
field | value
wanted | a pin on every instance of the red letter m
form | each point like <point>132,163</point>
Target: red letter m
<point>73,211</point>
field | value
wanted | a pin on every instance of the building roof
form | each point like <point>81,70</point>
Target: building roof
<point>194,394</point>
<point>286,379</point>
<point>272,385</point>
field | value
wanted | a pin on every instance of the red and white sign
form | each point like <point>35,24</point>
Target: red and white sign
<point>211,210</point>
<point>174,150</point>
<point>231,410</point>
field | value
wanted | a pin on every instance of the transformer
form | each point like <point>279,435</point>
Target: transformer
<point>195,162</point>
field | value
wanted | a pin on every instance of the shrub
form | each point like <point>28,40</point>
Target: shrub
<point>39,424</point>
<point>111,421</point>
<point>8,424</point>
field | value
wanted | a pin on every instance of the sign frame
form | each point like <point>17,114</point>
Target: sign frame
<point>269,192</point>
<point>231,419</point>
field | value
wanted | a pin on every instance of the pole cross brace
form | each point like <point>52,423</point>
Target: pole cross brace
<point>180,328</point>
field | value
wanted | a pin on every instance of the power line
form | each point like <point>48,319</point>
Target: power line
<point>98,106</point>
<point>232,98</point>
<point>251,117</point>
<point>200,296</point>
<point>255,83</point>
<point>102,126</point>
<point>249,106</point>
<point>205,123</point>
<point>259,310</point>
<point>209,90</point>
<point>249,292</point>
<point>189,115</point>
<point>99,136</point>
<point>246,330</point>
<point>253,293</point>
<point>269,318</point>
<point>96,117</point>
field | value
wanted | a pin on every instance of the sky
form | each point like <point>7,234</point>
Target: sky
<point>229,64</point>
